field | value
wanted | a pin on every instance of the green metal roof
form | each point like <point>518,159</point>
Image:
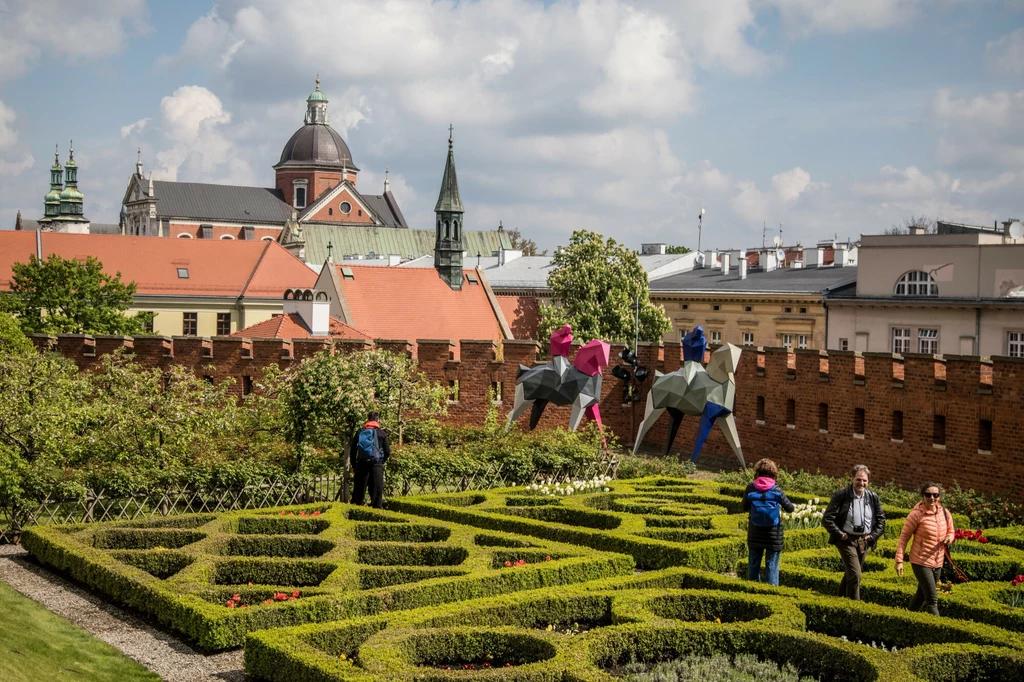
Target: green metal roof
<point>386,241</point>
<point>448,200</point>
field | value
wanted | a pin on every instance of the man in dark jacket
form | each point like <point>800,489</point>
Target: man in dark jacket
<point>854,520</point>
<point>368,450</point>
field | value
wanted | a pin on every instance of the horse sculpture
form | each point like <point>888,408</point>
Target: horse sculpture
<point>560,383</point>
<point>698,392</point>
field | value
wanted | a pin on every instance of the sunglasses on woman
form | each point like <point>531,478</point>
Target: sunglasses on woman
<point>933,496</point>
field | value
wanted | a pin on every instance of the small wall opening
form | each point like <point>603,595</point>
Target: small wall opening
<point>985,435</point>
<point>939,429</point>
<point>897,425</point>
<point>760,408</point>
<point>791,412</point>
<point>823,416</point>
<point>858,421</point>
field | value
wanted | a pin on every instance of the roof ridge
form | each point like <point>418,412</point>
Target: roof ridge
<point>255,268</point>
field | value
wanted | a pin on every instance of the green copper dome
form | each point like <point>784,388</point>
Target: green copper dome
<point>70,194</point>
<point>52,197</point>
<point>316,95</point>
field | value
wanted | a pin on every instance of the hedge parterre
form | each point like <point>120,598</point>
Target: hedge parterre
<point>516,584</point>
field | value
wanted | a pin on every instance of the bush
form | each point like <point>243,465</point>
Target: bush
<point>742,668</point>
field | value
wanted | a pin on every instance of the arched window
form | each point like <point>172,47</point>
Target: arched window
<point>447,234</point>
<point>916,283</point>
<point>184,235</point>
<point>455,229</point>
<point>226,236</point>
<point>266,239</point>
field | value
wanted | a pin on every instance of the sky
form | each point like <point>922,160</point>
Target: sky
<point>822,118</point>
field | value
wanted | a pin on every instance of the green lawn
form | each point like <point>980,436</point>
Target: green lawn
<point>38,645</point>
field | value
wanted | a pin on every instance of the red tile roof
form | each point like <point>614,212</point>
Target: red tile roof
<point>415,303</point>
<point>291,326</point>
<point>257,269</point>
<point>522,314</point>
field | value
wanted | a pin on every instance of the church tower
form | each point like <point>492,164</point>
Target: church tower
<point>70,217</point>
<point>51,203</point>
<point>449,211</point>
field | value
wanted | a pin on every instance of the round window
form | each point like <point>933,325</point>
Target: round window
<point>345,207</point>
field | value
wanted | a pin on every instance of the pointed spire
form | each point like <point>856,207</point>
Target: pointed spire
<point>17,221</point>
<point>138,163</point>
<point>152,192</point>
<point>449,200</point>
<point>387,185</point>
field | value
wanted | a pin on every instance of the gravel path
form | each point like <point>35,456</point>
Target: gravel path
<point>170,658</point>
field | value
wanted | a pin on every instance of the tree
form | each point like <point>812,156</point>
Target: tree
<point>12,339</point>
<point>521,243</point>
<point>912,221</point>
<point>677,249</point>
<point>594,285</point>
<point>67,296</point>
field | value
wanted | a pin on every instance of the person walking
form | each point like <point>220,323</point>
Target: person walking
<point>855,521</point>
<point>931,526</point>
<point>764,500</point>
<point>368,452</point>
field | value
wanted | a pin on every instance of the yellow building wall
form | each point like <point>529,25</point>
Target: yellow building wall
<point>768,319</point>
<point>169,317</point>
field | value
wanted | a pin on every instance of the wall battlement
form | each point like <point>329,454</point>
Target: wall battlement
<point>955,419</point>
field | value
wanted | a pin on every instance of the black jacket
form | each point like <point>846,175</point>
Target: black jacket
<point>765,537</point>
<point>382,438</point>
<point>839,506</point>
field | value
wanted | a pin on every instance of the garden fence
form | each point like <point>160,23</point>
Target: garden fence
<point>97,506</point>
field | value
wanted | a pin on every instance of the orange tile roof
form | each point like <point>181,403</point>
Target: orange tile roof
<point>291,326</point>
<point>415,303</point>
<point>522,314</point>
<point>256,269</point>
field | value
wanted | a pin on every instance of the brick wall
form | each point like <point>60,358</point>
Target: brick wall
<point>826,390</point>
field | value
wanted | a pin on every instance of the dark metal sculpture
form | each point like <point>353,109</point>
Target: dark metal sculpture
<point>558,382</point>
<point>693,390</point>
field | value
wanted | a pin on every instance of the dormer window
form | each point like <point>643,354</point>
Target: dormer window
<point>916,283</point>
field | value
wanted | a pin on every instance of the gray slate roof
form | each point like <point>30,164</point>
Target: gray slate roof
<point>94,228</point>
<point>386,208</point>
<point>786,280</point>
<point>202,201</point>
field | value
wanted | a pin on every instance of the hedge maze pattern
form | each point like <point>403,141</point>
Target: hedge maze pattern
<point>518,585</point>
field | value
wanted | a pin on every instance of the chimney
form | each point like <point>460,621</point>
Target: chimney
<point>769,260</point>
<point>814,257</point>
<point>653,249</point>
<point>725,264</point>
<point>916,229</point>
<point>742,267</point>
<point>711,259</point>
<point>313,307</point>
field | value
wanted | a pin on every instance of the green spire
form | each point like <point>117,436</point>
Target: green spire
<point>51,203</point>
<point>316,106</point>
<point>448,200</point>
<point>71,199</point>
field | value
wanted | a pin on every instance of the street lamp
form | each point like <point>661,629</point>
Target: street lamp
<point>700,227</point>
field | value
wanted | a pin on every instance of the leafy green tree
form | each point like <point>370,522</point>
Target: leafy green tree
<point>67,296</point>
<point>521,243</point>
<point>12,339</point>
<point>678,249</point>
<point>400,390</point>
<point>594,284</point>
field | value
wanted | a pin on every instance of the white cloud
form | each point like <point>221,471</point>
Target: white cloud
<point>8,136</point>
<point>12,160</point>
<point>805,17</point>
<point>790,184</point>
<point>31,28</point>
<point>134,128</point>
<point>981,133</point>
<point>1006,54</point>
<point>894,184</point>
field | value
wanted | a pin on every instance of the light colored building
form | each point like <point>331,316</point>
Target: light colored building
<point>959,293</point>
<point>766,306</point>
<point>195,287</point>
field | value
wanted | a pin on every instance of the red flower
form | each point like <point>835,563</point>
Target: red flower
<point>295,593</point>
<point>282,512</point>
<point>983,541</point>
<point>268,601</point>
<point>316,513</point>
<point>236,598</point>
<point>508,564</point>
<point>230,604</point>
<point>547,558</point>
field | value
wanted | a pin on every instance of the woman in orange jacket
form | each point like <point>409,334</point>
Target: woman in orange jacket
<point>931,524</point>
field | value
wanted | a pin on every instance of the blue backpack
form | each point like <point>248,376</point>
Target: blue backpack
<point>765,507</point>
<point>368,448</point>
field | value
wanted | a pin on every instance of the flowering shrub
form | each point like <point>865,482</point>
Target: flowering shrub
<point>804,516</point>
<point>1016,596</point>
<point>967,541</point>
<point>521,562</point>
<point>551,488</point>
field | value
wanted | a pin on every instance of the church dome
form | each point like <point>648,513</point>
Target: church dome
<point>316,144</point>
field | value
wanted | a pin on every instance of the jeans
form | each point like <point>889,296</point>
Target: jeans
<point>372,476</point>
<point>771,566</point>
<point>927,596</point>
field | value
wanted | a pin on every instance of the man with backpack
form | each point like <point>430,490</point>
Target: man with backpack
<point>854,520</point>
<point>368,451</point>
<point>765,501</point>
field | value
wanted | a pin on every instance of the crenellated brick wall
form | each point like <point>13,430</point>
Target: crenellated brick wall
<point>826,389</point>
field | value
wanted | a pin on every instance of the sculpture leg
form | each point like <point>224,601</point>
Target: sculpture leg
<point>675,419</point>
<point>651,415</point>
<point>518,407</point>
<point>707,420</point>
<point>732,437</point>
<point>538,410</point>
<point>576,415</point>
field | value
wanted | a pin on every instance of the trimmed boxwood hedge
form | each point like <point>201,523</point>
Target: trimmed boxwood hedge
<point>342,562</point>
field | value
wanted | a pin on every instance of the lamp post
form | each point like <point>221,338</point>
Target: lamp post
<point>700,227</point>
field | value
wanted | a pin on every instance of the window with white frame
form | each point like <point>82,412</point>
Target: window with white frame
<point>787,340</point>
<point>844,344</point>
<point>299,197</point>
<point>928,341</point>
<point>900,340</point>
<point>1015,344</point>
<point>801,341</point>
<point>748,338</point>
<point>716,336</point>
<point>916,283</point>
